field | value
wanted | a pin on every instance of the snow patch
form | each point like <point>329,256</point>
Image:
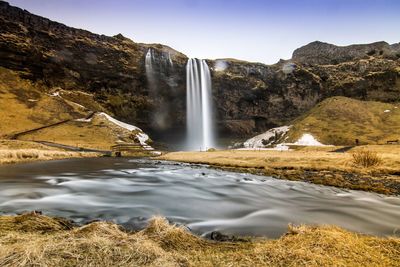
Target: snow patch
<point>84,120</point>
<point>143,138</point>
<point>387,110</point>
<point>281,147</point>
<point>79,105</point>
<point>278,147</point>
<point>55,94</point>
<point>307,140</point>
<point>267,138</point>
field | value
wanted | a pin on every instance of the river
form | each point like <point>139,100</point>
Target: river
<point>130,191</point>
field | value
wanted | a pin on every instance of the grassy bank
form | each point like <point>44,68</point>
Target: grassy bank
<point>13,151</point>
<point>36,240</point>
<point>312,164</point>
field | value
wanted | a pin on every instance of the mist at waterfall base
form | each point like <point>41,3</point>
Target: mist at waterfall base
<point>199,108</point>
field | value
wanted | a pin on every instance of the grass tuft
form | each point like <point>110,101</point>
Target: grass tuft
<point>36,240</point>
<point>366,158</point>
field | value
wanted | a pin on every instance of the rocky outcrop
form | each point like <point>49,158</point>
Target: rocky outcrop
<point>254,97</point>
<point>249,97</point>
<point>319,53</point>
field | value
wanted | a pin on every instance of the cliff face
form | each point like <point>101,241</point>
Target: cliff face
<point>254,97</point>
<point>110,67</point>
<point>319,53</point>
<point>249,97</point>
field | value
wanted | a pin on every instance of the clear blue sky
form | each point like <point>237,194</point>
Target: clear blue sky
<point>254,30</point>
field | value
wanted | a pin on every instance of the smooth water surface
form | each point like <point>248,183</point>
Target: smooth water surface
<point>129,191</point>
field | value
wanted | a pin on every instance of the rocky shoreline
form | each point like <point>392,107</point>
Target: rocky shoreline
<point>378,183</point>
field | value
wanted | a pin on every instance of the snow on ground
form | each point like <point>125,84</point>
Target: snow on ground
<point>278,147</point>
<point>84,120</point>
<point>307,140</point>
<point>55,94</point>
<point>143,138</point>
<point>257,141</point>
<point>76,104</point>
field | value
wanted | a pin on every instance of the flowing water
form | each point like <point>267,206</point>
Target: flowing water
<point>158,66</point>
<point>199,106</point>
<point>129,191</point>
<point>150,72</point>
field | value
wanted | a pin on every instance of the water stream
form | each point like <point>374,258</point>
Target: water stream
<point>129,192</point>
<point>200,126</point>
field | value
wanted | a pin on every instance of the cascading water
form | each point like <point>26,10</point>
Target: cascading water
<point>158,68</point>
<point>200,128</point>
<point>149,59</point>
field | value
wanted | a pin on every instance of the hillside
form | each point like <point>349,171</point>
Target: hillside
<point>32,111</point>
<point>341,120</point>
<point>249,97</point>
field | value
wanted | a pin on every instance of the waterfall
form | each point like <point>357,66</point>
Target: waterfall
<point>158,65</point>
<point>200,128</point>
<point>148,62</point>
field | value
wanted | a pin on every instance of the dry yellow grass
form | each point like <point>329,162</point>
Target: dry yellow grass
<point>8,156</point>
<point>366,158</point>
<point>80,134</point>
<point>18,144</point>
<point>99,133</point>
<point>315,158</point>
<point>311,164</point>
<point>24,105</point>
<point>36,240</point>
<point>15,151</point>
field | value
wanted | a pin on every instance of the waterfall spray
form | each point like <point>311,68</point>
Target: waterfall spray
<point>200,126</point>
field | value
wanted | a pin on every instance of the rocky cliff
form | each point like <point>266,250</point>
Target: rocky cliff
<point>319,53</point>
<point>110,67</point>
<point>249,97</point>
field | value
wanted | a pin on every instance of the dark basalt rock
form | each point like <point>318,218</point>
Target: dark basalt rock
<point>249,97</point>
<point>319,53</point>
